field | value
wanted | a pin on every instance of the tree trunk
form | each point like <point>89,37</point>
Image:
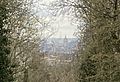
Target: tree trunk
<point>25,75</point>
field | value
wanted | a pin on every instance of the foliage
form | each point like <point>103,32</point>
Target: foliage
<point>101,41</point>
<point>5,65</point>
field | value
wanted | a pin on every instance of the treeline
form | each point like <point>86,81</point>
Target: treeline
<point>99,38</point>
<point>100,52</point>
<point>97,59</point>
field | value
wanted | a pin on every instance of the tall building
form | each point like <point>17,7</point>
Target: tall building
<point>65,42</point>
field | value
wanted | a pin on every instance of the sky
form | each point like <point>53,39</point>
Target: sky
<point>62,24</point>
<point>65,27</point>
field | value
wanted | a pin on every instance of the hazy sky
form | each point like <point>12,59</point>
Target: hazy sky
<point>65,27</point>
<point>62,23</point>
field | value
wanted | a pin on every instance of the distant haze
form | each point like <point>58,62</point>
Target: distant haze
<point>63,24</point>
<point>65,28</point>
<point>60,45</point>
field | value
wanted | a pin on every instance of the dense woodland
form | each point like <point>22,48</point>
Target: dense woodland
<point>96,59</point>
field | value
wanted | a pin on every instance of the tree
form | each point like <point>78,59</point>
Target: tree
<point>101,41</point>
<point>27,32</point>
<point>5,64</point>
